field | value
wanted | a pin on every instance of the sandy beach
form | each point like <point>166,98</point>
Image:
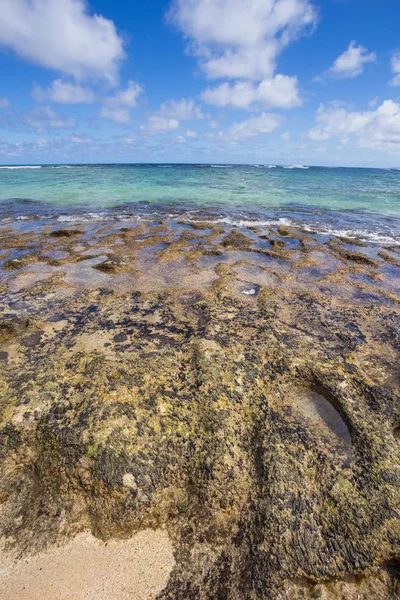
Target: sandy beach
<point>86,568</point>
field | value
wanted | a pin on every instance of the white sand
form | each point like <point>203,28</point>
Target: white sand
<point>86,568</point>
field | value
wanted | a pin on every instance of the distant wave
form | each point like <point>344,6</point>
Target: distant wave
<point>47,167</point>
<point>69,167</point>
<point>27,167</point>
<point>221,166</point>
<point>296,167</point>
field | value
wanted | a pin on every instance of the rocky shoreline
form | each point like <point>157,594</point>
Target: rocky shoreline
<point>236,388</point>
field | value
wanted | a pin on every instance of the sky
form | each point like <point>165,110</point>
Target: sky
<point>313,82</point>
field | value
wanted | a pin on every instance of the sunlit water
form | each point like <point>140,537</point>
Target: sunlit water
<point>361,202</point>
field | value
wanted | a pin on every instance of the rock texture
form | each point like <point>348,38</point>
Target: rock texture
<point>238,388</point>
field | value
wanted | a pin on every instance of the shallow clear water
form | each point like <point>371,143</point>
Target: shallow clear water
<point>363,202</point>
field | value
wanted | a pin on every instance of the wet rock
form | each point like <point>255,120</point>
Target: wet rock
<point>65,233</point>
<point>237,240</point>
<point>351,255</point>
<point>12,328</point>
<point>14,264</point>
<point>113,265</point>
<point>31,340</point>
<point>277,244</point>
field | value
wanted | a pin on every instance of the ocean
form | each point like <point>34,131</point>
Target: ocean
<point>363,203</point>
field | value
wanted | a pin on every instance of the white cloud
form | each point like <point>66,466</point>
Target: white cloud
<point>281,91</point>
<point>159,125</point>
<point>42,118</point>
<point>395,62</point>
<point>63,92</point>
<point>181,139</point>
<point>351,63</point>
<point>79,138</point>
<point>379,129</point>
<point>5,104</point>
<point>286,136</point>
<point>264,123</point>
<point>62,35</point>
<point>117,108</point>
<point>240,39</point>
<point>190,133</point>
<point>183,110</point>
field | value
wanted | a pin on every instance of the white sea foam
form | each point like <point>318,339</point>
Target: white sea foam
<point>356,234</point>
<point>243,222</point>
<point>45,167</point>
<point>221,166</point>
<point>94,217</point>
<point>22,167</point>
<point>296,167</point>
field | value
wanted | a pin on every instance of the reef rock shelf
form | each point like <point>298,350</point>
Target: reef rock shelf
<point>235,389</point>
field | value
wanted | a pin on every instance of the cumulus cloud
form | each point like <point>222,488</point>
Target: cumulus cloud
<point>264,123</point>
<point>117,108</point>
<point>351,63</point>
<point>63,92</point>
<point>240,39</point>
<point>183,110</point>
<point>43,118</point>
<point>63,36</point>
<point>169,116</point>
<point>281,91</point>
<point>157,125</point>
<point>395,63</point>
<point>379,129</point>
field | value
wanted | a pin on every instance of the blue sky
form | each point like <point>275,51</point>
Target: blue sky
<point>237,81</point>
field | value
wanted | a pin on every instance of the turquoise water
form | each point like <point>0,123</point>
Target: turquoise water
<point>363,201</point>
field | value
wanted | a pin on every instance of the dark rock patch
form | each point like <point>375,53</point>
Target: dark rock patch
<point>237,241</point>
<point>60,233</point>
